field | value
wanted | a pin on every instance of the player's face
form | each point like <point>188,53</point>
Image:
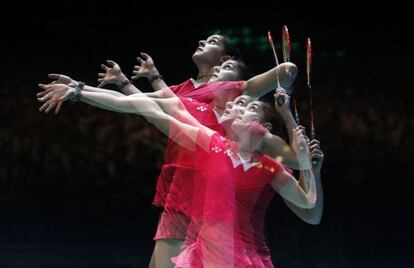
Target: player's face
<point>227,71</point>
<point>235,107</point>
<point>252,113</point>
<point>210,51</point>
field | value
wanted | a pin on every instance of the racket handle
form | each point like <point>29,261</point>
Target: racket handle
<point>280,100</point>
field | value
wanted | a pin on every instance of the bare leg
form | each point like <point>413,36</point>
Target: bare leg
<point>152,261</point>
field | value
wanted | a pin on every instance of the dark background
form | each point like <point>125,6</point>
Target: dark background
<point>76,188</point>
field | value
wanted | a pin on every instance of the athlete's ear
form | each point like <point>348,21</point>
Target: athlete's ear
<point>225,58</point>
<point>268,126</point>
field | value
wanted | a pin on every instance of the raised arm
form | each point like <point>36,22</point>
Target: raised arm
<point>262,84</point>
<point>276,147</point>
<point>313,215</point>
<point>273,145</point>
<point>302,195</point>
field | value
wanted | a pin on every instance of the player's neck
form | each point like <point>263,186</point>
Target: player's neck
<point>204,74</point>
<point>202,78</point>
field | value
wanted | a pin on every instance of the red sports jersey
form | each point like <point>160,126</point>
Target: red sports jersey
<point>200,103</point>
<point>229,200</point>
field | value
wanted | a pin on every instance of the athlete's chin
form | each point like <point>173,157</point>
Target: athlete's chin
<point>226,119</point>
<point>238,125</point>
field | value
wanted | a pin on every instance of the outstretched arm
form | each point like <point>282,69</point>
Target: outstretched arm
<point>182,133</point>
<point>66,80</point>
<point>180,128</point>
<point>46,95</point>
<point>262,84</point>
<point>313,215</point>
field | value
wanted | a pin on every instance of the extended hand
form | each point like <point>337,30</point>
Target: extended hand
<point>145,67</point>
<point>316,153</point>
<point>113,74</point>
<point>59,79</point>
<point>282,108</point>
<point>54,95</point>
